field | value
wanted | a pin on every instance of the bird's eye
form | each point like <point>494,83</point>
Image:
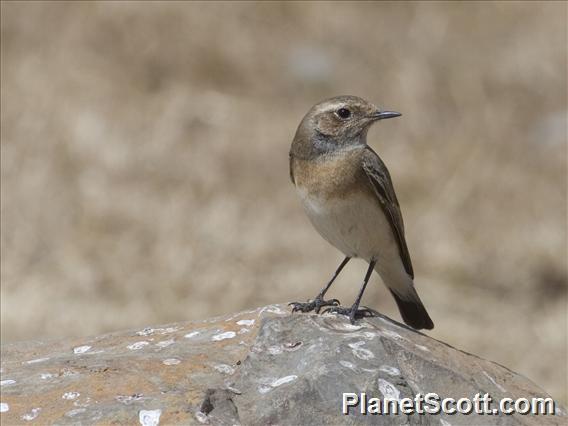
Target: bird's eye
<point>343,113</point>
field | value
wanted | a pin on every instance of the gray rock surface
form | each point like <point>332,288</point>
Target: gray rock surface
<point>253,368</point>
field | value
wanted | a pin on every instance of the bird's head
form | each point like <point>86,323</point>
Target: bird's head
<point>339,122</point>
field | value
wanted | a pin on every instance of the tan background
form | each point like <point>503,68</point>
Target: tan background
<point>145,164</point>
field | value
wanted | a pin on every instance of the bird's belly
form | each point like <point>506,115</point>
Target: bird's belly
<point>355,224</point>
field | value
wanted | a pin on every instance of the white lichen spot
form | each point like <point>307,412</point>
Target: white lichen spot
<point>359,352</point>
<point>229,386</point>
<point>368,335</point>
<point>74,412</point>
<point>127,399</point>
<point>501,388</point>
<point>391,371</point>
<point>269,383</point>
<point>171,361</point>
<point>229,318</point>
<point>70,395</point>
<point>46,376</point>
<point>7,382</point>
<point>445,423</point>
<point>35,361</point>
<point>247,322</point>
<point>165,343</point>
<point>201,417</point>
<point>223,336</point>
<point>81,349</point>
<point>4,407</point>
<point>145,332</point>
<point>388,390</point>
<point>363,354</point>
<point>84,402</point>
<point>192,334</point>
<point>348,326</point>
<point>273,309</point>
<point>423,348</point>
<point>244,330</point>
<point>274,350</point>
<point>224,368</point>
<point>138,345</point>
<point>283,380</point>
<point>347,364</point>
<point>66,372</point>
<point>149,417</point>
<point>148,331</point>
<point>34,412</point>
<point>392,334</point>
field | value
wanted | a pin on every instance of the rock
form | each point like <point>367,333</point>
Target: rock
<point>256,367</point>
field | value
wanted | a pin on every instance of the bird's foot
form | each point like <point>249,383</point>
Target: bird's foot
<point>313,305</point>
<point>354,312</point>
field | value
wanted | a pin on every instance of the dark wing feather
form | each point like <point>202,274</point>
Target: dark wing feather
<point>381,182</point>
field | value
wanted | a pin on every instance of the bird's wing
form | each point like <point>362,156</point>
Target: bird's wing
<point>380,179</point>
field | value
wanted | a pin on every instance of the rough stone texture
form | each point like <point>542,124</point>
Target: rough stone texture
<point>256,367</point>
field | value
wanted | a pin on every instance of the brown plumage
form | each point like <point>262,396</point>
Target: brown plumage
<point>348,195</point>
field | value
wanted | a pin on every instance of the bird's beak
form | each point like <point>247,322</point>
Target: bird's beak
<point>381,115</point>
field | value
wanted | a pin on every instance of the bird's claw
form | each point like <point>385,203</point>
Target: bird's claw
<point>354,312</point>
<point>313,305</point>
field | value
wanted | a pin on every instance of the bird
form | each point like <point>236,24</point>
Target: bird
<point>348,195</point>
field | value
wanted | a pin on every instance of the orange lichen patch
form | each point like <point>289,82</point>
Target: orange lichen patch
<point>110,379</point>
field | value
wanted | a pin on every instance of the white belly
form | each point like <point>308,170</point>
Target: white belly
<point>356,225</point>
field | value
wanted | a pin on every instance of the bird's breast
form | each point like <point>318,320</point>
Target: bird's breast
<point>329,177</point>
<point>342,207</point>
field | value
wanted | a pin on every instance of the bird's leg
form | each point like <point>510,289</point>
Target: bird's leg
<point>354,312</point>
<point>319,302</point>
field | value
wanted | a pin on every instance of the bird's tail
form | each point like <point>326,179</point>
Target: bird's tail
<point>412,310</point>
<point>401,286</point>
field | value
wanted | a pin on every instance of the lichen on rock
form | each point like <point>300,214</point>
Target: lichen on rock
<point>264,366</point>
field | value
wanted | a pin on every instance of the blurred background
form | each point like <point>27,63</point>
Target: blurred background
<point>144,164</point>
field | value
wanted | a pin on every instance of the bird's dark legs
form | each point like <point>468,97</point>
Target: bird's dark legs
<point>354,312</point>
<point>326,288</point>
<point>319,302</point>
<point>367,277</point>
